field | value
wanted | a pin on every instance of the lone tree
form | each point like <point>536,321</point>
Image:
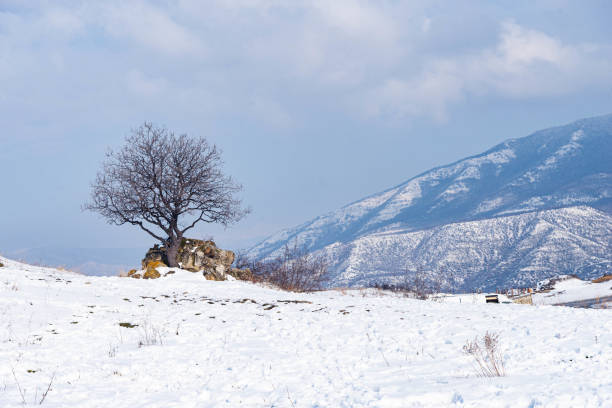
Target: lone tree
<point>165,184</point>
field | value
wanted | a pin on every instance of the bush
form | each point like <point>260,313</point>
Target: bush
<point>150,335</point>
<point>487,355</point>
<point>413,285</point>
<point>295,270</point>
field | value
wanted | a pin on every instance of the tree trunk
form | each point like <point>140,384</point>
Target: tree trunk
<point>172,252</point>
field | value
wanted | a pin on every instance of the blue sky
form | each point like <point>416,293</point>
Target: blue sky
<point>314,103</point>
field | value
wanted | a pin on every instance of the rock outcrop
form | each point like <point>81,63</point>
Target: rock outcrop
<point>155,254</point>
<point>199,256</point>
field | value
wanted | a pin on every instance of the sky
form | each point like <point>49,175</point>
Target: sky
<point>315,104</point>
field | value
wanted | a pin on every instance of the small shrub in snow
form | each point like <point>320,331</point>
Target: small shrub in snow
<point>37,399</point>
<point>150,335</point>
<point>295,270</point>
<point>415,285</point>
<point>487,355</point>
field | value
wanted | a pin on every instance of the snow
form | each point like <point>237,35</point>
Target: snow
<point>489,205</point>
<point>468,298</point>
<point>499,157</point>
<point>307,233</point>
<point>502,252</point>
<point>471,172</point>
<point>402,199</point>
<point>230,344</point>
<point>452,191</point>
<point>565,151</point>
<point>572,290</point>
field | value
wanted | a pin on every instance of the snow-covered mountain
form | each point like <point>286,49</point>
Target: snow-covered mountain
<point>524,210</point>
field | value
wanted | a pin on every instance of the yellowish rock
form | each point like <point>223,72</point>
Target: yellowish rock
<point>154,264</point>
<point>151,273</point>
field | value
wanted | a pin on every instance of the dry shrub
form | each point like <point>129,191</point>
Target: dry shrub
<point>487,355</point>
<point>295,269</point>
<point>150,334</point>
<point>604,278</point>
<point>415,285</point>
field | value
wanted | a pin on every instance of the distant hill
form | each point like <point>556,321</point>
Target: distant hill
<point>525,210</point>
<point>88,261</point>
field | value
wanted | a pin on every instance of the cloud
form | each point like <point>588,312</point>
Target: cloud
<point>377,59</point>
<point>139,83</point>
<point>269,112</point>
<point>62,20</point>
<point>524,63</point>
<point>426,25</point>
<point>149,26</point>
<point>357,19</point>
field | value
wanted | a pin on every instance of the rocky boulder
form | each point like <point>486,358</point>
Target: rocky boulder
<point>155,254</point>
<point>196,255</point>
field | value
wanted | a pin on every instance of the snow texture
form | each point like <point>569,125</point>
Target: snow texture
<point>234,344</point>
<point>575,290</point>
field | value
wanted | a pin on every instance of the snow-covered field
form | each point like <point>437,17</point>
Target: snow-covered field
<point>573,290</point>
<point>232,344</point>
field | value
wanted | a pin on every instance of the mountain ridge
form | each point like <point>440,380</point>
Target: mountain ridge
<point>555,168</point>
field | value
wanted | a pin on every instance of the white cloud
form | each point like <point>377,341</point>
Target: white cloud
<point>269,112</point>
<point>524,63</point>
<point>520,46</point>
<point>149,26</point>
<point>62,20</point>
<point>426,25</point>
<point>358,19</point>
<point>139,83</point>
<point>387,58</point>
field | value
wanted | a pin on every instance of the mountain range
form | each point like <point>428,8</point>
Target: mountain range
<point>527,209</point>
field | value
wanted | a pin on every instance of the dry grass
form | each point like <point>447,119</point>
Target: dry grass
<point>487,355</point>
<point>36,399</point>
<point>604,278</point>
<point>524,300</point>
<point>150,334</point>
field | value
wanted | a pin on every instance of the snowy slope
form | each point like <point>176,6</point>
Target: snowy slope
<point>571,290</point>
<point>503,252</point>
<point>567,166</point>
<point>231,344</point>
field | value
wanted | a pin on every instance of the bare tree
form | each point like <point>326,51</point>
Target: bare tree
<point>165,184</point>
